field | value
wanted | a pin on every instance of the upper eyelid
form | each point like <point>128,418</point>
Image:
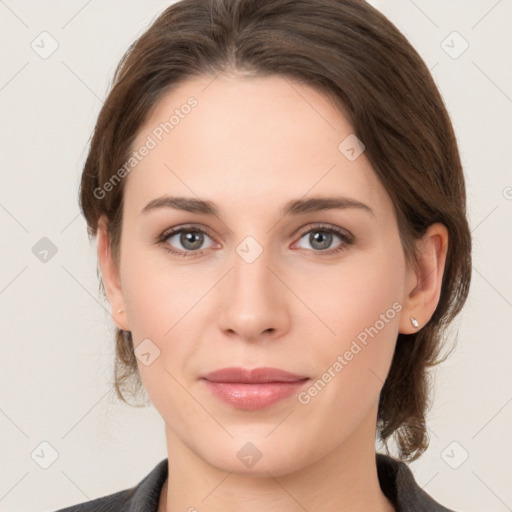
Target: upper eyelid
<point>192,227</point>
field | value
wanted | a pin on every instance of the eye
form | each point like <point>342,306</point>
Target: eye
<point>320,239</point>
<point>184,241</point>
<point>188,241</point>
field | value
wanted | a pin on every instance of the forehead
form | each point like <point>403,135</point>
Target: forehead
<point>246,139</point>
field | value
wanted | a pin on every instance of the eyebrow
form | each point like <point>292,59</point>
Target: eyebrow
<point>294,207</point>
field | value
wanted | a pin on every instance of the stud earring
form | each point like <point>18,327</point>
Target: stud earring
<point>414,322</point>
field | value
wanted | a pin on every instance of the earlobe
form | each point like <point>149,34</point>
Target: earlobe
<point>110,275</point>
<point>424,282</point>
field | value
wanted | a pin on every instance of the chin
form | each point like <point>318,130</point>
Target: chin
<point>257,458</point>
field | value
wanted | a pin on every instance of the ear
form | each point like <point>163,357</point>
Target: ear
<point>111,277</point>
<point>423,283</point>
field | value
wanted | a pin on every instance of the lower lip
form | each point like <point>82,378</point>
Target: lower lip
<point>252,397</point>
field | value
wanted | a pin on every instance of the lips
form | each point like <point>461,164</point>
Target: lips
<point>253,389</point>
<point>254,376</point>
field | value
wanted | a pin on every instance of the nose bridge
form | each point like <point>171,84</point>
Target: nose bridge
<point>251,275</point>
<point>253,302</point>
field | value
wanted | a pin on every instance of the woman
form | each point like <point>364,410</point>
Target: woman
<point>282,236</point>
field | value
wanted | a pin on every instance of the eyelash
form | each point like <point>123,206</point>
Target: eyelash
<point>345,238</point>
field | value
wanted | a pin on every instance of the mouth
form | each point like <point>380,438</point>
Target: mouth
<point>253,389</point>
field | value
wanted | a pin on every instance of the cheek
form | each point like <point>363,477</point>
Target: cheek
<point>160,306</point>
<point>166,302</point>
<point>362,307</point>
<point>361,304</point>
<point>354,295</point>
<point>158,293</point>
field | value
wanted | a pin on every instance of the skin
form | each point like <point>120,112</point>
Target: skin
<point>252,144</point>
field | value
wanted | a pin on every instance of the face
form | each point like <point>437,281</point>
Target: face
<point>315,292</point>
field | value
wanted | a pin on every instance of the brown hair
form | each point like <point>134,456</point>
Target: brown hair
<point>352,53</point>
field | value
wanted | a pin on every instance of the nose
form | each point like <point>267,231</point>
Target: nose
<point>254,300</point>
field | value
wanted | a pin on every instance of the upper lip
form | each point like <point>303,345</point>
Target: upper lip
<point>252,376</point>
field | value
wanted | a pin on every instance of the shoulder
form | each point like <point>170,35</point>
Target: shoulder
<point>398,484</point>
<point>143,497</point>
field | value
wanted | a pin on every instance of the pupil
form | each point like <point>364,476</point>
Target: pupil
<point>188,238</point>
<point>323,238</point>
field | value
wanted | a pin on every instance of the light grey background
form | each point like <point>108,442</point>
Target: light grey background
<point>57,340</point>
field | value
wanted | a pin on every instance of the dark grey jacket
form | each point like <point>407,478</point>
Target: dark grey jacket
<point>395,478</point>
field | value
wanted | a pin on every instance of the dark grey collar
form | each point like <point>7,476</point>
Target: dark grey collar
<point>398,484</point>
